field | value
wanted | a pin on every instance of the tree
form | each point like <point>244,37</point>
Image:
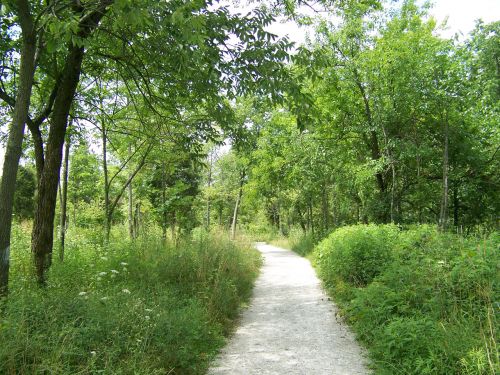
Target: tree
<point>21,9</point>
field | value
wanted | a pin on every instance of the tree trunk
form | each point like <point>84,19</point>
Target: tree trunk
<point>130,204</point>
<point>64,198</point>
<point>310,216</point>
<point>325,208</point>
<point>443,217</point>
<point>43,225</point>
<point>107,224</point>
<point>14,142</point>
<point>210,162</point>
<point>236,208</point>
<point>137,219</point>
<point>456,205</point>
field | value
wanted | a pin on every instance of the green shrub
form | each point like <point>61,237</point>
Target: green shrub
<point>356,254</point>
<point>429,308</point>
<point>130,308</point>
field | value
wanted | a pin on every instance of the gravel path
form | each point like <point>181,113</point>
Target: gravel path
<point>290,327</point>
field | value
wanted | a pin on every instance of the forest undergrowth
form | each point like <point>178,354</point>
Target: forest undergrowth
<point>139,307</point>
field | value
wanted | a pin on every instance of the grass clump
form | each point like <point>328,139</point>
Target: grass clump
<point>129,308</point>
<point>423,302</point>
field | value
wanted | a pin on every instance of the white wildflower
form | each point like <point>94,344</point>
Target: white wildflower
<point>125,269</point>
<point>114,271</point>
<point>104,298</point>
<point>147,317</point>
<point>82,293</point>
<point>103,273</point>
<point>124,264</point>
<point>148,310</point>
<point>93,353</point>
<point>126,291</point>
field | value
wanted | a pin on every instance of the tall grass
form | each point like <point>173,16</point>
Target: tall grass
<point>423,302</point>
<point>128,308</point>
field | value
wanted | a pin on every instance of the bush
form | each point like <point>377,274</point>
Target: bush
<point>429,307</point>
<point>142,308</point>
<point>356,254</point>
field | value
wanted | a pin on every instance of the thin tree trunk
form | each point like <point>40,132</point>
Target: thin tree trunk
<point>324,208</point>
<point>107,224</point>
<point>236,208</point>
<point>456,205</point>
<point>210,162</point>
<point>130,204</point>
<point>15,140</point>
<point>443,217</point>
<point>393,188</point>
<point>164,223</point>
<point>310,215</point>
<point>64,199</point>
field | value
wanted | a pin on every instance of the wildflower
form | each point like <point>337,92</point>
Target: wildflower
<point>148,310</point>
<point>93,353</point>
<point>125,269</point>
<point>104,258</point>
<point>103,273</point>
<point>82,293</point>
<point>114,271</point>
<point>147,317</point>
<point>124,264</point>
<point>99,278</point>
<point>126,291</point>
<point>104,298</point>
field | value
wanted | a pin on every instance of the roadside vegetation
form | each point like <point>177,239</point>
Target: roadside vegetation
<point>141,307</point>
<point>423,302</point>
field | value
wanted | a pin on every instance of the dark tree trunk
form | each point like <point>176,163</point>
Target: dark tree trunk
<point>42,237</point>
<point>43,225</point>
<point>15,140</point>
<point>64,199</point>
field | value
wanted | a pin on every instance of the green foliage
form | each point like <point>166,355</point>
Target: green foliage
<point>24,197</point>
<point>429,309</point>
<point>356,254</point>
<point>142,308</point>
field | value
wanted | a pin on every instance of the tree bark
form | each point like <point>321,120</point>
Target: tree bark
<point>43,225</point>
<point>64,199</point>
<point>15,140</point>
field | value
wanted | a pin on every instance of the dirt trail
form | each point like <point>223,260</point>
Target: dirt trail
<point>290,327</point>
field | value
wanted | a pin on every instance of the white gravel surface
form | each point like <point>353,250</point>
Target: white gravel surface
<point>291,326</point>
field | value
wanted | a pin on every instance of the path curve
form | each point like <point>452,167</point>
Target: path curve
<point>291,327</point>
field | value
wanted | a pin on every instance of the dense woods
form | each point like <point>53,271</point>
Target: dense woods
<point>144,133</point>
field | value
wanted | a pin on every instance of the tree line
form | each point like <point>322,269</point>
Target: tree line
<point>128,103</point>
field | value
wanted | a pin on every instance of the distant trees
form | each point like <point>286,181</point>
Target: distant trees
<point>400,130</point>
